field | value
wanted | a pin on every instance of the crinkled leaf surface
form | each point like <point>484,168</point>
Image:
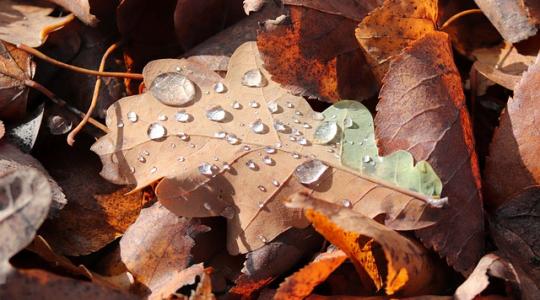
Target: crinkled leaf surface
<point>246,187</point>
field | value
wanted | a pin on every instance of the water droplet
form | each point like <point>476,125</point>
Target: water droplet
<point>310,171</point>
<point>183,136</point>
<point>162,118</point>
<point>236,105</point>
<point>132,116</point>
<point>58,125</point>
<point>296,155</point>
<point>207,206</point>
<point>153,170</point>
<point>226,166</point>
<point>296,121</point>
<point>273,107</point>
<point>262,189</point>
<point>270,150</point>
<point>220,134</point>
<point>347,122</point>
<point>298,113</point>
<point>325,133</point>
<point>251,165</point>
<point>290,105</point>
<point>232,139</point>
<point>307,126</point>
<point>191,145</point>
<point>275,183</point>
<point>120,125</point>
<point>216,158</point>
<point>258,127</point>
<point>292,138</point>
<point>156,131</point>
<point>262,238</point>
<point>228,213</point>
<point>367,159</point>
<point>132,170</point>
<point>254,78</point>
<point>303,141</point>
<point>142,159</point>
<point>278,145</point>
<point>145,152</point>
<point>330,150</point>
<point>181,159</point>
<point>216,113</point>
<point>173,88</point>
<point>317,116</point>
<point>182,116</point>
<point>219,87</point>
<point>207,169</point>
<point>253,104</point>
<point>246,148</point>
<point>346,203</point>
<point>280,127</point>
<point>268,160</point>
<point>296,132</point>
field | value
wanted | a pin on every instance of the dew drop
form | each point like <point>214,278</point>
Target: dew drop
<point>262,189</point>
<point>173,89</point>
<point>153,170</point>
<point>290,105</point>
<point>307,126</point>
<point>156,131</point>
<point>162,118</point>
<point>183,136</point>
<point>292,138</point>
<point>254,78</point>
<point>182,116</point>
<point>220,134</point>
<point>216,114</point>
<point>298,113</point>
<point>226,166</point>
<point>246,148</point>
<point>181,159</point>
<point>58,125</point>
<point>275,183</point>
<point>347,122</point>
<point>207,169</point>
<point>303,141</point>
<point>310,171</point>
<point>207,206</point>
<point>325,133</point>
<point>296,155</point>
<point>317,116</point>
<point>232,139</point>
<point>132,170</point>
<point>142,159</point>
<point>258,127</point>
<point>367,159</point>
<point>270,150</point>
<point>236,105</point>
<point>145,152</point>
<point>296,132</point>
<point>228,213</point>
<point>120,125</point>
<point>219,88</point>
<point>296,121</point>
<point>262,238</point>
<point>251,165</point>
<point>280,127</point>
<point>273,107</point>
<point>132,116</point>
<point>253,104</point>
<point>346,203</point>
<point>268,160</point>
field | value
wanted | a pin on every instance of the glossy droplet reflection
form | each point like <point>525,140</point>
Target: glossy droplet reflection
<point>58,125</point>
<point>325,133</point>
<point>216,114</point>
<point>207,169</point>
<point>310,171</point>
<point>156,131</point>
<point>173,89</point>
<point>182,116</point>
<point>258,127</point>
<point>254,78</point>
<point>132,116</point>
<point>220,88</point>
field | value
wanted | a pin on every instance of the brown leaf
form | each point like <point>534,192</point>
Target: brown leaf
<point>408,270</point>
<point>156,249</point>
<point>515,228</point>
<point>503,64</point>
<point>2,129</point>
<point>16,66</point>
<point>489,266</point>
<point>253,5</point>
<point>352,9</point>
<point>24,203</point>
<point>80,8</point>
<point>422,109</point>
<point>509,17</point>
<point>246,190</point>
<point>37,284</point>
<point>204,289</point>
<point>301,284</point>
<point>315,54</point>
<point>23,22</point>
<point>513,163</point>
<point>389,29</point>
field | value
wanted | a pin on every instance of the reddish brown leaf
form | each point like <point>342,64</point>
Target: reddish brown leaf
<point>422,110</point>
<point>316,54</point>
<point>352,9</point>
<point>513,162</point>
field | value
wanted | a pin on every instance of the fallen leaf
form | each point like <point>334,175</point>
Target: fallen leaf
<point>351,9</point>
<point>24,133</point>
<point>39,284</point>
<point>422,110</point>
<point>489,266</point>
<point>533,10</point>
<point>253,5</point>
<point>80,8</point>
<point>408,270</point>
<point>509,17</point>
<point>503,64</point>
<point>16,66</point>
<point>25,201</point>
<point>514,227</point>
<point>301,284</point>
<point>156,249</point>
<point>389,29</point>
<point>23,22</point>
<point>512,164</point>
<point>224,169</point>
<point>314,54</point>
<point>204,289</point>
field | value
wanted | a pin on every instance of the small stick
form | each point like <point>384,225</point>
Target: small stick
<point>75,131</point>
<point>505,56</point>
<point>60,64</point>
<point>56,100</point>
<point>53,27</point>
<point>453,18</point>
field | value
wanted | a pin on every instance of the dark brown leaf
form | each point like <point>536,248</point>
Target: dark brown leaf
<point>352,9</point>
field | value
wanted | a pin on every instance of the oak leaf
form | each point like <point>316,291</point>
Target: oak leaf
<point>422,109</point>
<point>233,153</point>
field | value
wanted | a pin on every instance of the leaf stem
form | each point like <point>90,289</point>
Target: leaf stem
<point>60,64</point>
<point>453,18</point>
<point>93,102</point>
<point>53,27</point>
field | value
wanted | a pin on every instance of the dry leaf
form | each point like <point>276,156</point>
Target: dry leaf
<point>23,21</point>
<point>513,163</point>
<point>24,203</point>
<point>204,289</point>
<point>301,284</point>
<point>422,109</point>
<point>389,29</point>
<point>80,8</point>
<point>2,129</point>
<point>503,64</point>
<point>489,266</point>
<point>16,66</point>
<point>352,9</point>
<point>156,249</point>
<point>409,269</point>
<point>315,54</point>
<point>228,168</point>
<point>253,5</point>
<point>509,17</point>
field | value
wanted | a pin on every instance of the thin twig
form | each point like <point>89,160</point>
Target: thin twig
<point>56,100</point>
<point>60,64</point>
<point>53,27</point>
<point>80,126</point>
<point>453,18</point>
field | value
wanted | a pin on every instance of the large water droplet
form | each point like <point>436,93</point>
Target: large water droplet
<point>132,116</point>
<point>219,87</point>
<point>207,169</point>
<point>232,139</point>
<point>156,131</point>
<point>173,88</point>
<point>325,133</point>
<point>254,78</point>
<point>216,113</point>
<point>258,127</point>
<point>182,116</point>
<point>228,213</point>
<point>280,127</point>
<point>310,171</point>
<point>273,107</point>
<point>58,125</point>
